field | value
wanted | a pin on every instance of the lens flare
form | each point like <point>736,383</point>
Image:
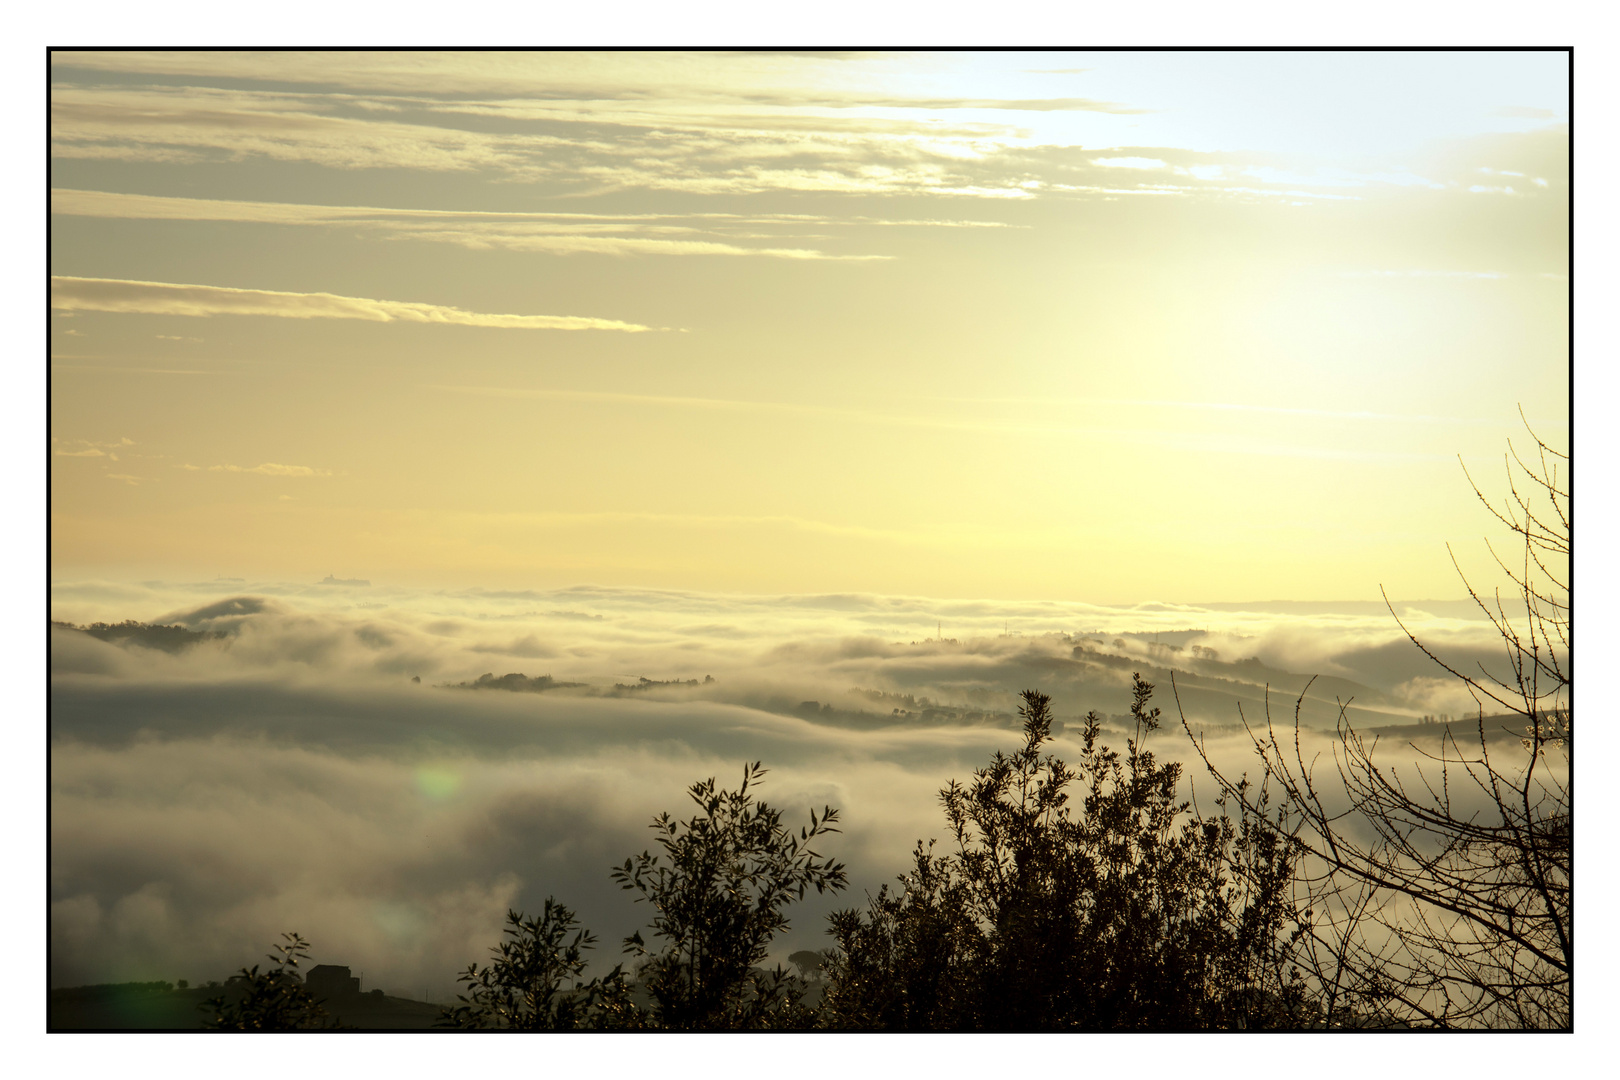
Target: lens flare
<point>436,783</point>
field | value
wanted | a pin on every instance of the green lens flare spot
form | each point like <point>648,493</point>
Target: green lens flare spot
<point>436,783</point>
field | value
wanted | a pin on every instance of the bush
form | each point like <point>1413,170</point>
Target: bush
<point>272,1000</point>
<point>1111,918</point>
<point>718,892</point>
<point>523,989</point>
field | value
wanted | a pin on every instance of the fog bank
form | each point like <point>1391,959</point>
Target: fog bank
<point>326,759</point>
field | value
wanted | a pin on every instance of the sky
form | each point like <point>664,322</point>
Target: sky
<point>1097,327</point>
<point>891,383</point>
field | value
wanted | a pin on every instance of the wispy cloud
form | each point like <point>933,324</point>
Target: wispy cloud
<point>195,124</point>
<point>674,401</point>
<point>91,449</point>
<point>1105,422</point>
<point>704,145</point>
<point>596,123</point>
<point>670,81</point>
<point>55,363</point>
<point>1065,104</point>
<point>709,141</point>
<point>1464,275</point>
<point>270,468</point>
<point>1129,163</point>
<point>165,298</point>
<point>559,233</point>
<point>1334,414</point>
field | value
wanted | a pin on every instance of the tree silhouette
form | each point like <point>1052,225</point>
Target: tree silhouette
<point>524,989</point>
<point>1441,893</point>
<point>1109,918</point>
<point>718,893</point>
<point>272,1000</point>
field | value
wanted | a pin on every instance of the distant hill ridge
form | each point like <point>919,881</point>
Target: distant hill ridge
<point>161,1006</point>
<point>170,639</point>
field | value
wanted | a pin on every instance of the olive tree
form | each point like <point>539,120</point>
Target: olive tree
<point>274,999</point>
<point>1083,897</point>
<point>533,982</point>
<point>718,890</point>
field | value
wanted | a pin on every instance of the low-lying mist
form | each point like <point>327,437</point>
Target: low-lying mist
<point>333,760</point>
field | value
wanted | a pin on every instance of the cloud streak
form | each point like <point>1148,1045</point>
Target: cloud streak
<point>269,468</point>
<point>1106,424</point>
<point>695,138</point>
<point>166,298</point>
<point>589,124</point>
<point>557,233</point>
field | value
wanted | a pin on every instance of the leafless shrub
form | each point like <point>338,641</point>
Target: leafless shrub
<point>1439,891</point>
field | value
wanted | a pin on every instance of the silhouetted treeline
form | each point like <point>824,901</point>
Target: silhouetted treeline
<point>516,681</point>
<point>170,639</point>
<point>1114,911</point>
<point>522,683</point>
<point>1085,897</point>
<point>1079,897</point>
<point>644,683</point>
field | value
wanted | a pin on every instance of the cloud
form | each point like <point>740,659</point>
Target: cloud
<point>1465,275</point>
<point>1105,420</point>
<point>591,124</point>
<point>127,370</point>
<point>656,141</point>
<point>402,864</point>
<point>1129,163</point>
<point>776,80</point>
<point>1067,104</point>
<point>92,448</point>
<point>767,651</point>
<point>269,469</point>
<point>283,772</point>
<point>163,298</point>
<point>558,233</point>
<point>692,136</point>
<point>187,125</point>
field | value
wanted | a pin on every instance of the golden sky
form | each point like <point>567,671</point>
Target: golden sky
<point>1104,327</point>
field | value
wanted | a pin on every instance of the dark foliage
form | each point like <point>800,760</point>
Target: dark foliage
<point>517,682</point>
<point>111,990</point>
<point>271,1000</point>
<point>1442,893</point>
<point>645,683</point>
<point>1100,916</point>
<point>718,893</point>
<point>171,639</point>
<point>534,982</point>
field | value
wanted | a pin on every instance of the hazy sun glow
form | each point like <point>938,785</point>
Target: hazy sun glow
<point>496,443</point>
<point>1102,327</point>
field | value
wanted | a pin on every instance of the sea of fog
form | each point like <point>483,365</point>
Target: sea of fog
<point>332,759</point>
